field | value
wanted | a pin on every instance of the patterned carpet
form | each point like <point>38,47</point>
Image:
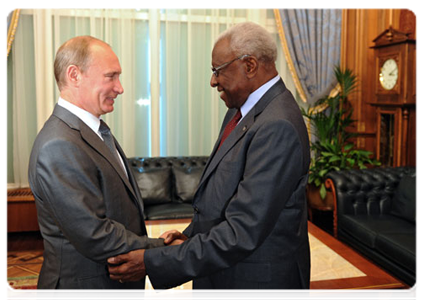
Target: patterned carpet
<point>21,288</point>
<point>23,269</point>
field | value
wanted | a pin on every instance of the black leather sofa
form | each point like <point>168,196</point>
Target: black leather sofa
<point>375,213</point>
<point>168,184</point>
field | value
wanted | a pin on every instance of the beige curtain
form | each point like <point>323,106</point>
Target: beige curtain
<point>12,24</point>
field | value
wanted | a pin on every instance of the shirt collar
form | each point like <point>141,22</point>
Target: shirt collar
<point>256,96</point>
<point>89,119</point>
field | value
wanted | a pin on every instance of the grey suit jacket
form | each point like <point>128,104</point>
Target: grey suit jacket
<point>250,224</point>
<point>88,210</point>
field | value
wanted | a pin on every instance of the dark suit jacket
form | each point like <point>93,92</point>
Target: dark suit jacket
<point>88,210</point>
<point>250,225</point>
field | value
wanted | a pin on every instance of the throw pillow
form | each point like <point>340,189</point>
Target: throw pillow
<point>155,185</point>
<point>186,182</point>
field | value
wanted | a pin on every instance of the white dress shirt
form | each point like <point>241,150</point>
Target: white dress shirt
<point>256,95</point>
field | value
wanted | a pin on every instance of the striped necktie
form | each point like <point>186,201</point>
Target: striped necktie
<point>109,141</point>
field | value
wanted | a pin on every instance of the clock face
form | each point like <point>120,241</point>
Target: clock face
<point>388,75</point>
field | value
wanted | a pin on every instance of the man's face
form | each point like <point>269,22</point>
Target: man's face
<point>232,82</point>
<point>100,83</point>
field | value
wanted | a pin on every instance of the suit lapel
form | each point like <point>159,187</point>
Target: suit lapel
<point>230,141</point>
<point>239,131</point>
<point>91,138</point>
<point>130,180</point>
<point>229,115</point>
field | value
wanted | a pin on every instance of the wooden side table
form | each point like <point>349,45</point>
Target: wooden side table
<point>21,211</point>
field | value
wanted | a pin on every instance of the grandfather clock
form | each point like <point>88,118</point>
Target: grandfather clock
<point>395,98</point>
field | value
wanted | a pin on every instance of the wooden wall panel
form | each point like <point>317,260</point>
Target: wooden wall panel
<point>360,28</point>
<point>411,148</point>
<point>355,56</point>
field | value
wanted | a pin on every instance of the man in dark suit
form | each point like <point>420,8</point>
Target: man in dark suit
<point>88,203</point>
<point>249,230</point>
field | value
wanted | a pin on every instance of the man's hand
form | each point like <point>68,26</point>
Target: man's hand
<point>127,267</point>
<point>173,237</point>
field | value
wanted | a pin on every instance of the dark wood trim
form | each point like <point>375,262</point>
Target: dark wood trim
<point>20,195</point>
<point>330,186</point>
<point>25,241</point>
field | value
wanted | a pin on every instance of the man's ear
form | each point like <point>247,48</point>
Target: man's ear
<point>251,66</point>
<point>73,74</point>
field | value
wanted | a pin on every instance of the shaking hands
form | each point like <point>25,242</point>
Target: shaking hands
<point>173,237</point>
<point>127,267</point>
<point>130,266</point>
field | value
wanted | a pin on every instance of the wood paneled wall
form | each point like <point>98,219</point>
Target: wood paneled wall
<point>360,27</point>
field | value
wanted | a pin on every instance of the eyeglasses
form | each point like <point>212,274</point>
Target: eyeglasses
<point>217,69</point>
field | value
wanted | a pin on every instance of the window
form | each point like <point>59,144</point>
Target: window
<point>168,107</point>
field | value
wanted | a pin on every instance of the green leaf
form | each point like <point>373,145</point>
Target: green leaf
<point>351,161</point>
<point>334,158</point>
<point>348,147</point>
<point>329,118</point>
<point>322,191</point>
<point>322,173</point>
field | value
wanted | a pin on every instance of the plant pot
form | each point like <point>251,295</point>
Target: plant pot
<point>314,200</point>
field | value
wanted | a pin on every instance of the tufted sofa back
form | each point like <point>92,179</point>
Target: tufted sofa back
<point>168,179</point>
<point>367,191</point>
<point>168,161</point>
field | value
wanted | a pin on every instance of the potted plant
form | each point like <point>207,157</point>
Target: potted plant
<point>329,119</point>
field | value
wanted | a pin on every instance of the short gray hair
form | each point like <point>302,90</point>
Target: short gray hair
<point>250,38</point>
<point>75,51</point>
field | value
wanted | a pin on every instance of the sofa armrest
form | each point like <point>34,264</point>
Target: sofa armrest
<point>330,187</point>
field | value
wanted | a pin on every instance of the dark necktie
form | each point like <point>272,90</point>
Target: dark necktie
<point>230,126</point>
<point>109,141</point>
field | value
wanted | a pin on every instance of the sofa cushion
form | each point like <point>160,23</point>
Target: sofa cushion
<point>155,185</point>
<point>365,228</point>
<point>404,200</point>
<point>399,247</point>
<point>186,181</point>
<point>169,211</point>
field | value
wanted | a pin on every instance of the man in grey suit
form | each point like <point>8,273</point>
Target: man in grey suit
<point>249,230</point>
<point>88,203</point>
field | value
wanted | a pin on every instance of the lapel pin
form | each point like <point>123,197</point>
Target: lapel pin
<point>244,128</point>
